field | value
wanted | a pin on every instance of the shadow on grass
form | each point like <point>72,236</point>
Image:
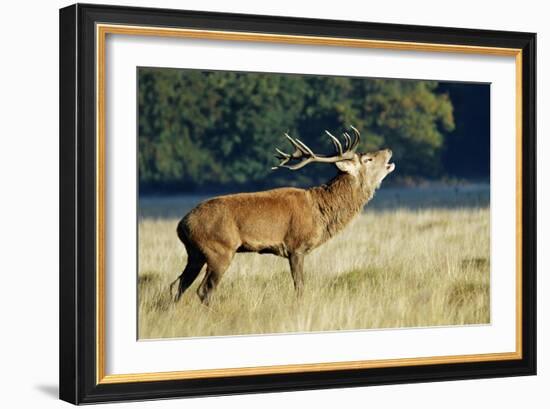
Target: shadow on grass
<point>356,280</point>
<point>464,293</point>
<point>476,263</point>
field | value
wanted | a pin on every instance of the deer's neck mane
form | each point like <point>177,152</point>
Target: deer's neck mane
<point>340,200</point>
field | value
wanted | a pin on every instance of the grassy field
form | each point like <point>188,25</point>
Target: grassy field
<point>390,268</point>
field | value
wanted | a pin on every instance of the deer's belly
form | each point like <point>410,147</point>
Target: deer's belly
<point>278,249</point>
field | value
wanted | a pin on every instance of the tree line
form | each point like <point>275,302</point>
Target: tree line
<point>217,130</point>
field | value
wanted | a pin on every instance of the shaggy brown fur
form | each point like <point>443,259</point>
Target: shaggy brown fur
<point>287,222</point>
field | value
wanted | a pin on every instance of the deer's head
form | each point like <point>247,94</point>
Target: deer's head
<point>368,169</point>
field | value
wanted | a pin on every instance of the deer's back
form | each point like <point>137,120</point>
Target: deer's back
<point>275,221</point>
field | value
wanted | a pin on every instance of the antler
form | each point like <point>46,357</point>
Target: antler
<point>305,155</point>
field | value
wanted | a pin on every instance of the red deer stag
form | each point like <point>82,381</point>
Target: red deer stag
<point>287,222</point>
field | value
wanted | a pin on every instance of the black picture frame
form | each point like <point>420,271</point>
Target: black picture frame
<point>78,313</point>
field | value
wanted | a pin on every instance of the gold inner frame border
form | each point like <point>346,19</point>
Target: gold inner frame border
<point>102,30</point>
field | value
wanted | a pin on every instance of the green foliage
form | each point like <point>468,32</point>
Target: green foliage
<point>211,128</point>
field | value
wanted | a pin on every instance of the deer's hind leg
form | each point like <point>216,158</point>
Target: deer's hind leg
<point>195,262</point>
<point>217,263</point>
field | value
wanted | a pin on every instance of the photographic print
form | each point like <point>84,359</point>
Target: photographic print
<point>287,203</point>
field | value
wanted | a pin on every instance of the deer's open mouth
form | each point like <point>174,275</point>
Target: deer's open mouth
<point>390,167</point>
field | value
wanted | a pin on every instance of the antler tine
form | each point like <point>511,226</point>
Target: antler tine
<point>348,140</point>
<point>282,154</point>
<point>357,138</point>
<point>336,143</point>
<point>293,142</point>
<point>305,147</point>
<point>301,151</point>
<point>282,164</point>
<point>283,157</point>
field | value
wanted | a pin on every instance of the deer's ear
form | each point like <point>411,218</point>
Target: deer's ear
<point>347,166</point>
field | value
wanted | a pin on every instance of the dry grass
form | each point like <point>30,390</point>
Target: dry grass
<point>402,268</point>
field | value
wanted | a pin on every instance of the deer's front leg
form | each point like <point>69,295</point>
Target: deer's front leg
<point>297,269</point>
